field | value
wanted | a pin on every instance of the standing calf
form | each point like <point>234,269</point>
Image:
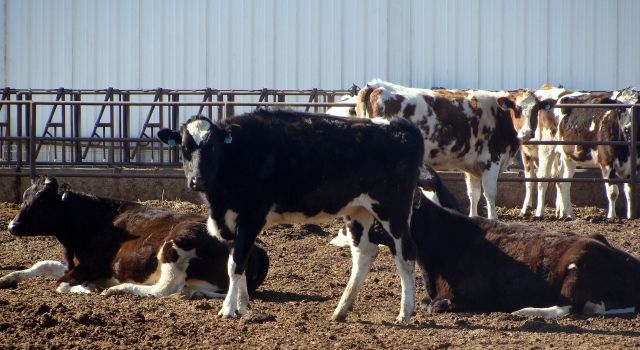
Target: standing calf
<point>108,242</point>
<point>266,168</point>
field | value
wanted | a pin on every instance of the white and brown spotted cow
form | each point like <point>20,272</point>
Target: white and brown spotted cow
<point>541,160</point>
<point>475,131</point>
<point>595,124</point>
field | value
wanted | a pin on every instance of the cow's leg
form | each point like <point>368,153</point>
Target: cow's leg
<point>237,299</point>
<point>173,274</point>
<point>548,312</point>
<point>341,239</point>
<point>404,257</point>
<point>527,164</point>
<point>628,194</point>
<point>362,254</point>
<point>194,289</point>
<point>568,170</point>
<point>612,195</point>
<point>474,188</point>
<point>47,268</point>
<point>545,167</point>
<point>429,287</point>
<point>490,189</point>
<point>611,190</point>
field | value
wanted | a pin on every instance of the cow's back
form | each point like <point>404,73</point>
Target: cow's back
<point>144,230</point>
<point>461,129</point>
<point>271,152</point>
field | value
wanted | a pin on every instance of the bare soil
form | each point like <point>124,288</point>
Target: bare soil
<point>292,309</point>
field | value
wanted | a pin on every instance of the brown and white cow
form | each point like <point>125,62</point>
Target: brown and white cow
<point>475,131</point>
<point>125,246</point>
<point>348,110</point>
<point>595,124</point>
<point>541,160</point>
<point>483,265</point>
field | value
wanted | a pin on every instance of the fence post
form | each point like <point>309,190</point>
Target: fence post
<point>173,124</point>
<point>77,127</point>
<point>32,140</point>
<point>19,134</point>
<point>634,164</point>
<point>124,125</point>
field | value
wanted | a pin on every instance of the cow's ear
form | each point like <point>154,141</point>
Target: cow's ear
<point>506,103</point>
<point>51,183</point>
<point>548,104</point>
<point>169,137</point>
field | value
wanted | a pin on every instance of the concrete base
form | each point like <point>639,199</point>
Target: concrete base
<point>173,187</point>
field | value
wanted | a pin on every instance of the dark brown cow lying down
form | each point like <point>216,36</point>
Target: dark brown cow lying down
<point>125,246</point>
<point>483,265</point>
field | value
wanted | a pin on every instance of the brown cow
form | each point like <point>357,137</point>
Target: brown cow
<point>483,265</point>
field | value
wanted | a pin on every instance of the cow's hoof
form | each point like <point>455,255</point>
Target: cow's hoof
<point>338,318</point>
<point>424,303</point>
<point>111,292</point>
<point>438,306</point>
<point>226,314</point>
<point>403,320</point>
<point>8,283</point>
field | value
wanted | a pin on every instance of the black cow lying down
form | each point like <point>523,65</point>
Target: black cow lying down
<point>125,246</point>
<point>484,265</point>
<point>266,168</point>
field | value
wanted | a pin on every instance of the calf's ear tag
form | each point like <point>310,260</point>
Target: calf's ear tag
<point>171,142</point>
<point>228,139</point>
<point>547,107</point>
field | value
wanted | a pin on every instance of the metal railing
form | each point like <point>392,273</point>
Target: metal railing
<point>123,151</point>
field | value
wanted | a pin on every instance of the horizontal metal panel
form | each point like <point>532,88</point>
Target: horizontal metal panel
<point>289,44</point>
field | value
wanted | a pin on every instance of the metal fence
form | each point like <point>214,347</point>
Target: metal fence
<point>114,128</point>
<point>39,134</point>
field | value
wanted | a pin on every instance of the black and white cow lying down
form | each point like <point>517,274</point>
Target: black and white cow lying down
<point>125,247</point>
<point>481,265</point>
<point>266,168</point>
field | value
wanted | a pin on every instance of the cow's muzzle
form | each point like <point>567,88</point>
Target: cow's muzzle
<point>196,183</point>
<point>14,228</point>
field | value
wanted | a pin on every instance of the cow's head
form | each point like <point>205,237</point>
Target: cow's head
<point>523,106</point>
<point>201,142</point>
<point>40,212</point>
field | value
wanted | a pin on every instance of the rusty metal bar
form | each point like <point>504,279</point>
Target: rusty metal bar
<point>76,128</point>
<point>32,140</point>
<point>633,201</point>
<point>124,128</point>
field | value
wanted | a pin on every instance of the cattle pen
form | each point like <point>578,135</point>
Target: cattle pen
<point>110,133</point>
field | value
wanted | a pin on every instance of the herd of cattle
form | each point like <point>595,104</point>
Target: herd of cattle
<point>373,166</point>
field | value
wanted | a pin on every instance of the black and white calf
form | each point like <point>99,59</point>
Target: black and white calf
<point>125,246</point>
<point>266,168</point>
<point>430,188</point>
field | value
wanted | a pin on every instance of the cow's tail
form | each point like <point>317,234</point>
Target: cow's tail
<point>363,104</point>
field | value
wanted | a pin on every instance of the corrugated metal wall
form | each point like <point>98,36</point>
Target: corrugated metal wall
<point>329,44</point>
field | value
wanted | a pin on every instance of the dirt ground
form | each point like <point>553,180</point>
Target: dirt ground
<point>292,309</point>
